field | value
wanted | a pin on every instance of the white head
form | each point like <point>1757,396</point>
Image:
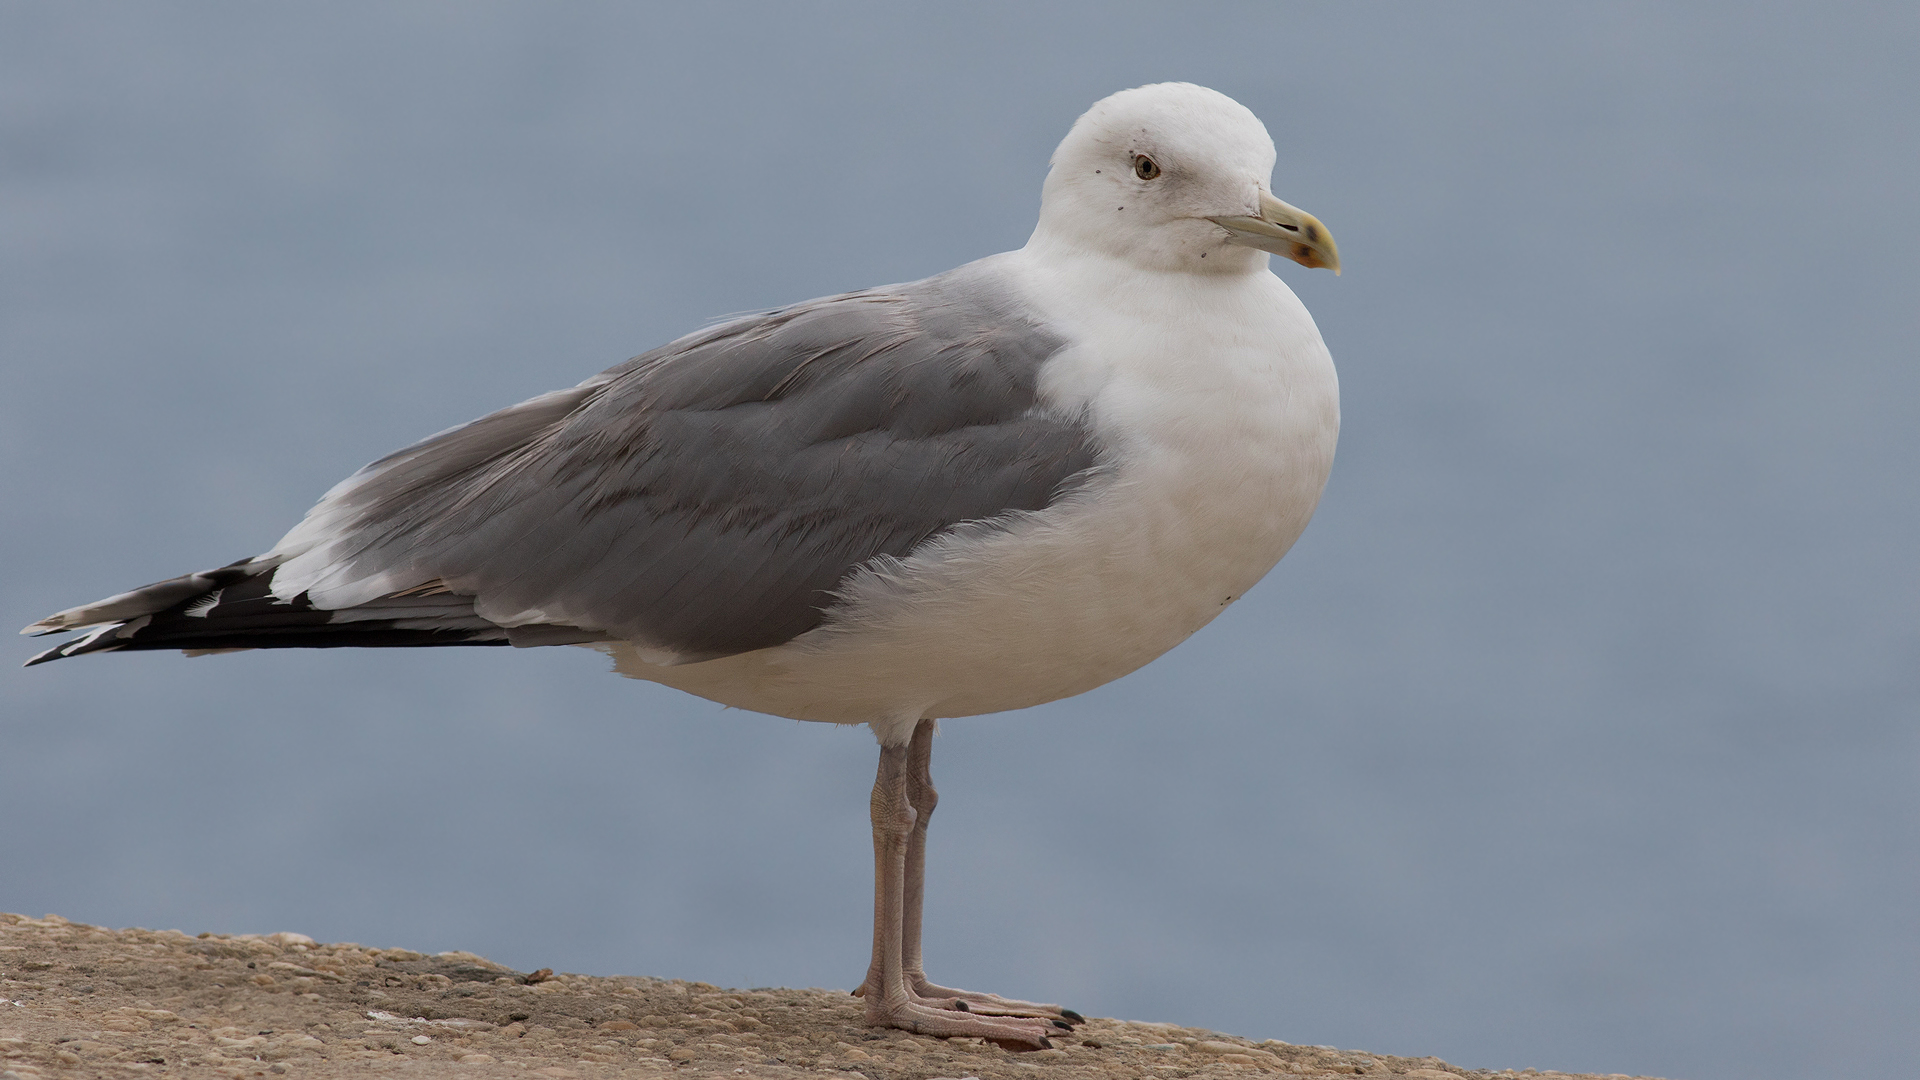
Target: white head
<point>1174,176</point>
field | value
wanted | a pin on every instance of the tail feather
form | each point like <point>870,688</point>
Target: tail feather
<point>233,607</point>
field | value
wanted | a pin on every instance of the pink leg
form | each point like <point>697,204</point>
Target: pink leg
<point>923,798</point>
<point>890,1000</point>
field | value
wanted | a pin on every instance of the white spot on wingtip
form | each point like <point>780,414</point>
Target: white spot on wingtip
<point>199,608</point>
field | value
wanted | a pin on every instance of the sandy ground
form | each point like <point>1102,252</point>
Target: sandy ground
<point>84,1001</point>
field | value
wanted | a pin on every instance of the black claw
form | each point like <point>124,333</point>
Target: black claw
<point>960,1006</point>
<point>1062,1025</point>
<point>1073,1016</point>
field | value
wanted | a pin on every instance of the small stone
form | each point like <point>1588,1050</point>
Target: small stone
<point>422,1040</point>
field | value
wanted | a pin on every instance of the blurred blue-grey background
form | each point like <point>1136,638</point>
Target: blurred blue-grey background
<point>1582,729</point>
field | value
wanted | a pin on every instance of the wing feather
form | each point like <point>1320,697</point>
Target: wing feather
<point>706,498</point>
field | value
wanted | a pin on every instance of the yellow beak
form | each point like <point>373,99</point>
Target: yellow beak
<point>1286,231</point>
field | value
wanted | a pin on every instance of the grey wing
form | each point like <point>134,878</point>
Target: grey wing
<point>706,498</point>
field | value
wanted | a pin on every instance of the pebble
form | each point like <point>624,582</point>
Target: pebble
<point>422,1040</point>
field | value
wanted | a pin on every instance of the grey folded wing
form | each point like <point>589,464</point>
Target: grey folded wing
<point>705,498</point>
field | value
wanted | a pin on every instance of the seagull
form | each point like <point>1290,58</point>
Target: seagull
<point>999,486</point>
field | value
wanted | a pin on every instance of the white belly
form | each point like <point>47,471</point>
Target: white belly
<point>1220,445</point>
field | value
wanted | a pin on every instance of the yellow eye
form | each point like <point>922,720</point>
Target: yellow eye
<point>1144,168</point>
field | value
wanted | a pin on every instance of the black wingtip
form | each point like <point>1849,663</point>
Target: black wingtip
<point>62,651</point>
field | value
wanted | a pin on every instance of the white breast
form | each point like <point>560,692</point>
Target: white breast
<point>1219,404</point>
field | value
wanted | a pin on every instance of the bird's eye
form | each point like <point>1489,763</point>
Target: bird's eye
<point>1144,167</point>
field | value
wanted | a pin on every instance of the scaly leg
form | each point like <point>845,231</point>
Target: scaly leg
<point>890,1002</point>
<point>923,798</point>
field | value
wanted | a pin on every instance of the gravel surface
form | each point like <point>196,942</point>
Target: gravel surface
<point>84,1001</point>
